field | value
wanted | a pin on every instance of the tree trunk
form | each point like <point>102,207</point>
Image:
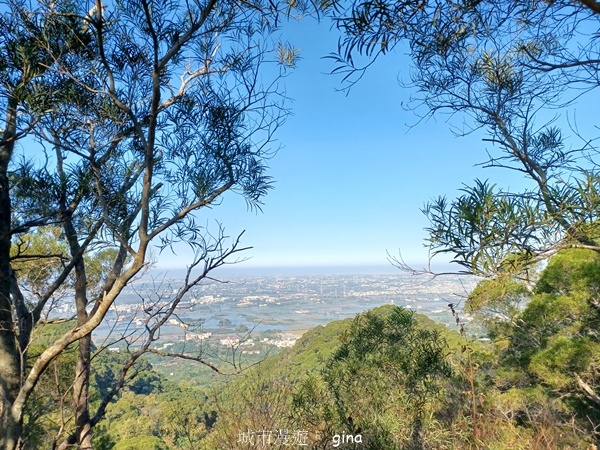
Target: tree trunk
<point>83,428</point>
<point>10,376</point>
<point>81,394</point>
<point>12,429</point>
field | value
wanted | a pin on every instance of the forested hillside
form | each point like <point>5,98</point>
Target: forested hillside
<point>401,381</point>
<point>389,379</point>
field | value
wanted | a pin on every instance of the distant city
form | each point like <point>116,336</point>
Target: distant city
<point>283,306</point>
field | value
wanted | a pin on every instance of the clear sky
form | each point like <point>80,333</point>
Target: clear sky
<point>354,168</point>
<point>351,175</point>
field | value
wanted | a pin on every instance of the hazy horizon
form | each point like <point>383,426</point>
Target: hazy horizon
<point>241,270</point>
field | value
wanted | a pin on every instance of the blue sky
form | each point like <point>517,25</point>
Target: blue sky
<point>351,175</point>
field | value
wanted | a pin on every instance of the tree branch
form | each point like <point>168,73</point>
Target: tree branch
<point>588,392</point>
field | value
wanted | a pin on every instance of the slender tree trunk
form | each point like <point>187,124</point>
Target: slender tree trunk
<point>24,319</point>
<point>10,376</point>
<point>81,395</point>
<point>83,428</point>
<point>416,438</point>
